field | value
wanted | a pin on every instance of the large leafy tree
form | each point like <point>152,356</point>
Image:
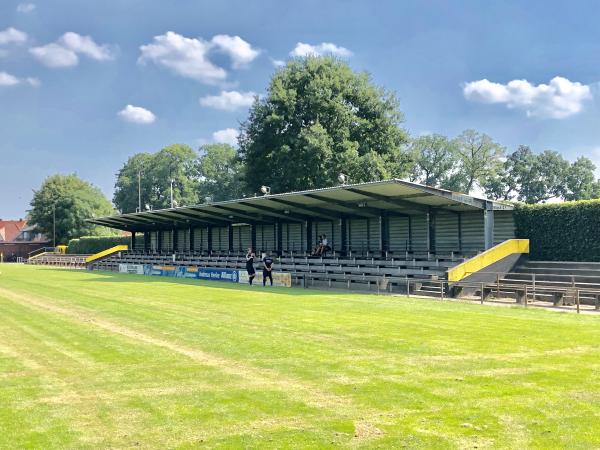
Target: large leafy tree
<point>132,180</point>
<point>435,160</point>
<point>534,178</point>
<point>580,182</point>
<point>220,172</point>
<point>514,177</point>
<point>177,162</point>
<point>479,160</point>
<point>67,201</point>
<point>319,119</point>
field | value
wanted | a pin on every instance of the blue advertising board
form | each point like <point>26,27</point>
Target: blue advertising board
<point>200,273</point>
<point>229,275</point>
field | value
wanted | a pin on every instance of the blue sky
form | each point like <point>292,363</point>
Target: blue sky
<point>69,70</point>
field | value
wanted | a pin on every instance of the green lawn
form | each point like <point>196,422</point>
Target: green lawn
<point>102,360</point>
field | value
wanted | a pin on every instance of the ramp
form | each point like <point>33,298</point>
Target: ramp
<point>508,251</point>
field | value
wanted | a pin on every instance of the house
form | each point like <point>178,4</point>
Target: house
<point>17,239</point>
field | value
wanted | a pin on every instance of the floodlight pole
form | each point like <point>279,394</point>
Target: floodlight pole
<point>139,191</point>
<point>172,192</point>
<point>54,225</point>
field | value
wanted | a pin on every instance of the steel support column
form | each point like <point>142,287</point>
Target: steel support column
<point>488,224</point>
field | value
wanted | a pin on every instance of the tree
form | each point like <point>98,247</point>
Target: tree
<point>318,119</point>
<point>70,200</point>
<point>435,160</point>
<point>480,159</point>
<point>220,172</point>
<point>513,177</point>
<point>532,178</point>
<point>580,183</point>
<point>132,180</point>
<point>545,179</point>
<point>176,162</point>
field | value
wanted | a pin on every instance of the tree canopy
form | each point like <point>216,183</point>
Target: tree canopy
<point>320,119</point>
<point>176,162</point>
<point>435,160</point>
<point>220,172</point>
<point>71,201</point>
<point>535,178</point>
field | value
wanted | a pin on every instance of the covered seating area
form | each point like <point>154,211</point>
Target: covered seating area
<point>392,229</point>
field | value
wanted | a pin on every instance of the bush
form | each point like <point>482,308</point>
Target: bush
<point>87,245</point>
<point>568,231</point>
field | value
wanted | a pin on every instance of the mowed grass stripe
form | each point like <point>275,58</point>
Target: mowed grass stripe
<point>95,389</point>
<point>250,375</point>
<point>410,373</point>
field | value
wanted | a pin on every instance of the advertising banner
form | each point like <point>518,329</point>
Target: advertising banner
<point>229,275</point>
<point>279,279</point>
<point>203,273</point>
<point>137,269</point>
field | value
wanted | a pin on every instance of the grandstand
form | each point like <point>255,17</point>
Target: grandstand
<point>380,233</point>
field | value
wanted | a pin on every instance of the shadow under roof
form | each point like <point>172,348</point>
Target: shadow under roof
<point>347,201</point>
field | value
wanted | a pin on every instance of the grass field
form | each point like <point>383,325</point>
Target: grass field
<point>91,360</point>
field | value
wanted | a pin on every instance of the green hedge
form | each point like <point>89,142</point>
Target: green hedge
<point>88,245</point>
<point>568,231</point>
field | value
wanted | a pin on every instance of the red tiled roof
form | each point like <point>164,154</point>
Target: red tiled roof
<point>10,229</point>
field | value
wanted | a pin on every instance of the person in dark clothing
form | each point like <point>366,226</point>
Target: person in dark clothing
<point>317,249</point>
<point>267,269</point>
<point>250,265</point>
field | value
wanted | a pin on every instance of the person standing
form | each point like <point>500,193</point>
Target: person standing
<point>250,265</point>
<point>267,269</point>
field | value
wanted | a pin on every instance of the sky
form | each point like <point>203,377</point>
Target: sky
<point>85,85</point>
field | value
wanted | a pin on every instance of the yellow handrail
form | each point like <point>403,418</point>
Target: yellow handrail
<point>488,258</point>
<point>107,252</point>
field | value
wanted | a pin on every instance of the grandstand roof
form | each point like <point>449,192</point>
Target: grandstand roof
<point>354,200</point>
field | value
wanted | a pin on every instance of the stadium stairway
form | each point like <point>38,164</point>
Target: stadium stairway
<point>557,281</point>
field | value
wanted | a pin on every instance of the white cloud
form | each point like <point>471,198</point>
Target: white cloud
<point>278,62</point>
<point>324,48</point>
<point>240,51</point>
<point>136,114</point>
<point>6,79</point>
<point>85,45</point>
<point>12,36</point>
<point>54,55</point>
<point>226,136</point>
<point>190,57</point>
<point>559,99</point>
<point>25,8</point>
<point>184,56</point>
<point>64,52</point>
<point>34,82</point>
<point>228,100</point>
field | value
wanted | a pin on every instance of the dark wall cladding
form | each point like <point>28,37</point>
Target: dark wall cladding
<point>293,237</point>
<point>200,239</point>
<point>265,238</point>
<point>242,238</point>
<point>446,232</point>
<point>183,242</point>
<point>420,233</point>
<point>473,238</point>
<point>504,226</point>
<point>404,233</point>
<point>398,234</point>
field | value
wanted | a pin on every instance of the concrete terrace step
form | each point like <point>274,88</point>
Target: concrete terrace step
<point>561,265</point>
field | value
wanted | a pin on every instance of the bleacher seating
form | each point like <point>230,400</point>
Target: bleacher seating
<point>59,260</point>
<point>389,273</point>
